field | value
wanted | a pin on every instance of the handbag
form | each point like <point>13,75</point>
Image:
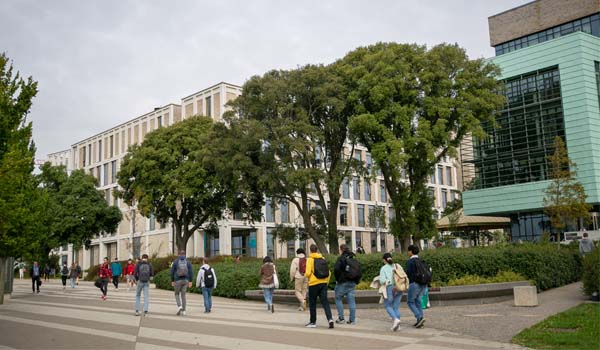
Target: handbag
<point>98,283</point>
<point>275,279</point>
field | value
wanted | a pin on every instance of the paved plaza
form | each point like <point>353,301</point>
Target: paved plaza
<point>79,319</point>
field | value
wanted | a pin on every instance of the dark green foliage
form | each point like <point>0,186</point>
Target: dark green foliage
<point>591,272</point>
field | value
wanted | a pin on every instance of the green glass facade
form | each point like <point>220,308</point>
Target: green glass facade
<point>552,89</point>
<point>517,145</point>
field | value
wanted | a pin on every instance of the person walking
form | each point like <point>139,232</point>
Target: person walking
<point>64,274</point>
<point>116,270</point>
<point>317,272</point>
<point>73,274</point>
<point>104,274</point>
<point>585,245</point>
<point>36,277</point>
<point>129,270</point>
<point>415,288</point>
<point>392,296</point>
<point>79,271</point>
<point>21,271</point>
<point>143,274</point>
<point>347,274</point>
<point>46,272</point>
<point>267,281</point>
<point>297,270</point>
<point>207,280</point>
<point>181,279</point>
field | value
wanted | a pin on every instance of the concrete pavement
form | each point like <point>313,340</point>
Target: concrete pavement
<point>79,319</point>
<point>498,321</point>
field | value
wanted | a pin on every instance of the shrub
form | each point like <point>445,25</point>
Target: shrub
<point>591,272</point>
<point>502,276</point>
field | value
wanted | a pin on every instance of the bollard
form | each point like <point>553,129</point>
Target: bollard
<point>525,296</point>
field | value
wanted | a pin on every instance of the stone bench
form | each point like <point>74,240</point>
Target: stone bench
<point>457,295</point>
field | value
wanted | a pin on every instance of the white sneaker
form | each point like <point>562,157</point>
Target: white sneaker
<point>179,310</point>
<point>396,325</point>
<point>310,325</point>
<point>182,312</point>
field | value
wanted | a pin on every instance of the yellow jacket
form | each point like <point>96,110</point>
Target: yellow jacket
<point>310,268</point>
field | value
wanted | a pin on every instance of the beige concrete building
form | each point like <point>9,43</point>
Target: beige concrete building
<point>101,156</point>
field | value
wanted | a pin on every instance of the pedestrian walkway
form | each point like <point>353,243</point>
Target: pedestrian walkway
<point>79,319</point>
<point>497,321</point>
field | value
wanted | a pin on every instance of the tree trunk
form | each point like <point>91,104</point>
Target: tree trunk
<point>334,247</point>
<point>2,267</point>
<point>406,241</point>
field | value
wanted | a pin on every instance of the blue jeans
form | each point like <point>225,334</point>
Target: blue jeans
<point>138,291</point>
<point>72,282</point>
<point>392,303</point>
<point>207,295</point>
<point>345,289</point>
<point>268,292</point>
<point>415,292</point>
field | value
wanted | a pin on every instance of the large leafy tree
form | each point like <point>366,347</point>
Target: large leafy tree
<point>176,175</point>
<point>411,107</point>
<point>303,121</point>
<point>75,210</point>
<point>565,198</point>
<point>17,206</point>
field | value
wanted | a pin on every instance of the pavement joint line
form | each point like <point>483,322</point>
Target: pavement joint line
<point>299,329</point>
<point>100,316</point>
<point>222,342</point>
<point>146,346</point>
<point>95,332</point>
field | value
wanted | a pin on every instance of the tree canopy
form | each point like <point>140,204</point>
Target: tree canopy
<point>412,106</point>
<point>303,123</point>
<point>176,174</point>
<point>17,186</point>
<point>74,209</point>
<point>565,197</point>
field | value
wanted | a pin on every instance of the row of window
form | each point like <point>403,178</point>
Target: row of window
<point>109,146</point>
<point>590,25</point>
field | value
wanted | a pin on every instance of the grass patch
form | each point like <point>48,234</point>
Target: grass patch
<point>577,328</point>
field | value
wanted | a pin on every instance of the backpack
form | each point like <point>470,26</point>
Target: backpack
<point>144,272</point>
<point>352,269</point>
<point>181,268</point>
<point>321,268</point>
<point>400,279</point>
<point>65,271</point>
<point>302,265</point>
<point>422,272</point>
<point>209,278</point>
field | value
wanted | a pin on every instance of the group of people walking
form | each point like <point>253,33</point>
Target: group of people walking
<point>72,273</point>
<point>311,274</point>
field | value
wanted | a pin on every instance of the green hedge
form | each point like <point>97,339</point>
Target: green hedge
<point>591,272</point>
<point>549,266</point>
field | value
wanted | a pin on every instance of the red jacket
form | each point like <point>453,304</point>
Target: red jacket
<point>129,269</point>
<point>105,271</point>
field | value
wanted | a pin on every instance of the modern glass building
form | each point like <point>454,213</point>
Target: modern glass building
<point>549,55</point>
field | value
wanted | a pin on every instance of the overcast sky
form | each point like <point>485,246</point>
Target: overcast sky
<point>101,63</point>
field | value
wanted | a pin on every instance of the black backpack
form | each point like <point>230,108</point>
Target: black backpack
<point>321,268</point>
<point>209,278</point>
<point>352,269</point>
<point>422,272</point>
<point>144,272</point>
